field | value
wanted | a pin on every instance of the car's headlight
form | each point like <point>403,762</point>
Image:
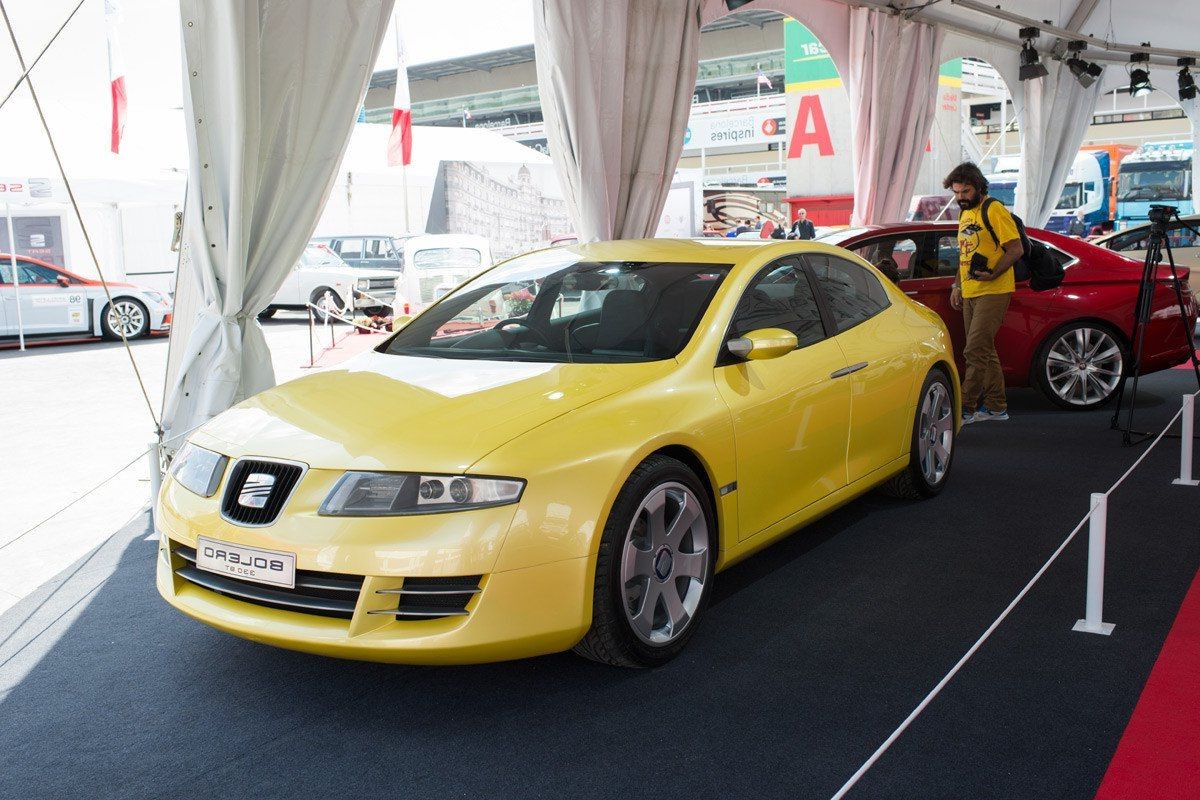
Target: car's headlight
<point>198,470</point>
<point>364,284</point>
<point>386,494</point>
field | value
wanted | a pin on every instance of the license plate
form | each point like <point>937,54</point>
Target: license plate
<point>248,563</point>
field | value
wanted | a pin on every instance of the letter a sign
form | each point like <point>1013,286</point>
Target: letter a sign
<point>810,128</point>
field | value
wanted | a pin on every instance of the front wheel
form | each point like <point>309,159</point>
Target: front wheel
<point>654,568</point>
<point>1079,367</point>
<point>932,450</point>
<point>125,316</point>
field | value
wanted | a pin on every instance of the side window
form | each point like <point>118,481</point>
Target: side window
<point>349,248</point>
<point>853,293</point>
<point>902,250</point>
<point>780,297</point>
<point>5,272</point>
<point>1137,240</point>
<point>36,273</point>
<point>946,257</point>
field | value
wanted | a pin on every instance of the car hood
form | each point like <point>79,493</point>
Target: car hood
<point>384,412</point>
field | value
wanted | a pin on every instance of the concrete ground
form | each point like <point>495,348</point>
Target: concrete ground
<point>72,416</point>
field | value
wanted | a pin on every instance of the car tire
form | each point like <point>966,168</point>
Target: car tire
<point>267,312</point>
<point>931,452</point>
<point>641,562</point>
<point>126,315</point>
<point>317,299</point>
<point>1104,357</point>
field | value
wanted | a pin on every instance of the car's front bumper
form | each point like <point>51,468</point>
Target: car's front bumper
<point>374,298</point>
<point>518,612</point>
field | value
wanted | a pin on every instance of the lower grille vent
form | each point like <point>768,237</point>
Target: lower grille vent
<point>326,594</point>
<point>433,598</point>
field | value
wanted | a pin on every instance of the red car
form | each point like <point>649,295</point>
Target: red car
<point>1072,342</point>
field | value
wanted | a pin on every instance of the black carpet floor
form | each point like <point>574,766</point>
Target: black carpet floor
<point>811,654</point>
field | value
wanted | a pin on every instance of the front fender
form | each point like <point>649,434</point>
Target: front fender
<point>575,466</point>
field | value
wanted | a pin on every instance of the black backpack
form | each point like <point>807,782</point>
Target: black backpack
<point>1037,265</point>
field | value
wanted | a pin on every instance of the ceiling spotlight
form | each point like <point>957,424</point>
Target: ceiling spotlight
<point>1086,72</point>
<point>1139,78</point>
<point>1187,83</point>
<point>1031,65</point>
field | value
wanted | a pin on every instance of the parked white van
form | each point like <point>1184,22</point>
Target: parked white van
<point>430,265</point>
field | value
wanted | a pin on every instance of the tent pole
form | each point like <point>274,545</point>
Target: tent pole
<point>12,253</point>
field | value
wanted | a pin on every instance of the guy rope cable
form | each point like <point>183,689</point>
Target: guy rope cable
<point>53,39</point>
<point>78,215</point>
<point>883,748</point>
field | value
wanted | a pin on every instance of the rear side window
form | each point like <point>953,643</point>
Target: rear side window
<point>349,248</point>
<point>854,294</point>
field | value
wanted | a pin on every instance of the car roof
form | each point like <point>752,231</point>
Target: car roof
<point>701,250</point>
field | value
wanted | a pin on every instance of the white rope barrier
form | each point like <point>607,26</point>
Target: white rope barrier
<point>1093,613</point>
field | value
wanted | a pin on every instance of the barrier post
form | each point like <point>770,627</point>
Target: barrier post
<point>1185,446</point>
<point>155,482</point>
<point>1094,612</point>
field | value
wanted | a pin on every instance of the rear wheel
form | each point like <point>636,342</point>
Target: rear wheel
<point>654,568</point>
<point>125,316</point>
<point>1079,366</point>
<point>932,450</point>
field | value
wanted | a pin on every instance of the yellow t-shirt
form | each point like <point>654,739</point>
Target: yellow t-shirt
<point>973,237</point>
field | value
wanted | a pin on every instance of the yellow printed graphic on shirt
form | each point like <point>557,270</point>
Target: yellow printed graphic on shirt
<point>973,237</point>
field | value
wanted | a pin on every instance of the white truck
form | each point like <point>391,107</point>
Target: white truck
<point>322,278</point>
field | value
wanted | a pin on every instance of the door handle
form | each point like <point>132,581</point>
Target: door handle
<point>848,370</point>
<point>912,294</point>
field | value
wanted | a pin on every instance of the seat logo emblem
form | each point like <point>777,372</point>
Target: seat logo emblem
<point>256,489</point>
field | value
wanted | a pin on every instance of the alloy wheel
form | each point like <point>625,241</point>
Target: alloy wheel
<point>1084,366</point>
<point>936,433</point>
<point>126,318</point>
<point>664,563</point>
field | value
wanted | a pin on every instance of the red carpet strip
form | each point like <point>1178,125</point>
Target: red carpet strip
<point>1159,753</point>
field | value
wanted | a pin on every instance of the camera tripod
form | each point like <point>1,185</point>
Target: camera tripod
<point>1159,217</point>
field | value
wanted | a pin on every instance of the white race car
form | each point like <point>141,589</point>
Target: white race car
<point>50,302</point>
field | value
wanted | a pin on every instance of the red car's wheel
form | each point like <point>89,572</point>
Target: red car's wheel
<point>1079,366</point>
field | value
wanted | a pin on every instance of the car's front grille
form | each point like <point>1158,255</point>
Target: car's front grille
<point>327,594</point>
<point>381,284</point>
<point>257,491</point>
<point>432,598</point>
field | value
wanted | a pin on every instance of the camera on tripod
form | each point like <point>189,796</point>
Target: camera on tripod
<point>1160,216</point>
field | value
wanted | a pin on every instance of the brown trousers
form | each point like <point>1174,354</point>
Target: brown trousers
<point>984,379</point>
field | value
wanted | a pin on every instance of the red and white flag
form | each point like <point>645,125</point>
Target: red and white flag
<point>116,72</point>
<point>400,142</point>
<point>763,80</point>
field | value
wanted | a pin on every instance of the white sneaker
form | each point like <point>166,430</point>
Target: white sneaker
<point>984,414</point>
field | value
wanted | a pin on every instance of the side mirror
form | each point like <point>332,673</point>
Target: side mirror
<point>64,281</point>
<point>763,343</point>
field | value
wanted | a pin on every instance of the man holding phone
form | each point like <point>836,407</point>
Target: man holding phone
<point>982,289</point>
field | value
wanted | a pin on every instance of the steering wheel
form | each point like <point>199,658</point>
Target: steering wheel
<point>519,328</point>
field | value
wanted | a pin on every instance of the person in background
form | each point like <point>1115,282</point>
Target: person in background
<point>802,228</point>
<point>1077,227</point>
<point>758,223</point>
<point>983,287</point>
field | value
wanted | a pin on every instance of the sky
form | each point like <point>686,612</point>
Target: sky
<point>72,78</point>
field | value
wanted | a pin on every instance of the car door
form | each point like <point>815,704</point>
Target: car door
<point>878,352</point>
<point>791,414</point>
<point>46,305</point>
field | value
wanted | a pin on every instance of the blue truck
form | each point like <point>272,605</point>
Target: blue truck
<point>1157,172</point>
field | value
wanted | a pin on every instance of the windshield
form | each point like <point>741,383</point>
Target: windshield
<point>553,306</point>
<point>1006,193</point>
<point>319,255</point>
<point>1162,181</point>
<point>837,237</point>
<point>447,258</point>
<point>1071,197</point>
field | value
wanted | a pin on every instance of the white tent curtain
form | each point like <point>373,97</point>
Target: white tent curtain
<point>270,93</point>
<point>1057,111</point>
<point>616,81</point>
<point>892,83</point>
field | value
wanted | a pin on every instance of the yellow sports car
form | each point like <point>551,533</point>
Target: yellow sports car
<point>560,454</point>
